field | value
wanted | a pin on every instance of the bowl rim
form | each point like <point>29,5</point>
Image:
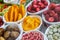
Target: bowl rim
<point>44,36</point>
<point>39,12</point>
<point>16,21</point>
<point>38,28</point>
<point>43,17</point>
<point>20,29</point>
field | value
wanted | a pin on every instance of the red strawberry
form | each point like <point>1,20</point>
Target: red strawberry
<point>56,17</point>
<point>52,13</point>
<point>46,3</point>
<point>32,11</point>
<point>40,3</point>
<point>35,6</point>
<point>29,8</point>
<point>52,6</point>
<point>51,19</point>
<point>42,6</point>
<point>37,9</point>
<point>34,2</point>
<point>57,9</point>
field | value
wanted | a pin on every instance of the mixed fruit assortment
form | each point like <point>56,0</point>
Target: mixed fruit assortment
<point>37,5</point>
<point>13,13</point>
<point>31,23</point>
<point>34,35</point>
<point>10,33</point>
<point>53,13</point>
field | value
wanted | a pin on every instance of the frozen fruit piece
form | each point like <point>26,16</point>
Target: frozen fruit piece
<point>35,6</point>
<point>56,17</point>
<point>37,9</point>
<point>52,6</point>
<point>34,2</point>
<point>29,8</point>
<point>52,13</point>
<point>39,3</point>
<point>46,3</point>
<point>51,19</point>
<point>57,9</point>
<point>42,5</point>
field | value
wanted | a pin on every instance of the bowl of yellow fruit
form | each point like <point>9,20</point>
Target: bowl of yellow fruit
<point>15,14</point>
<point>31,22</point>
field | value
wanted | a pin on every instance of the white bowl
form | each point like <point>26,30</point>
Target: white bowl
<point>48,29</point>
<point>39,12</point>
<point>45,38</point>
<point>44,19</point>
<point>16,21</point>
<point>20,28</point>
<point>38,28</point>
<point>11,1</point>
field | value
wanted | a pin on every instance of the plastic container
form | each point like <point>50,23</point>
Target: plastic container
<point>45,38</point>
<point>38,28</point>
<point>39,12</point>
<point>20,28</point>
<point>16,21</point>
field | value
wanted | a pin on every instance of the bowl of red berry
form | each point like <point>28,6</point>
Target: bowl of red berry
<point>34,35</point>
<point>52,15</point>
<point>37,6</point>
<point>1,21</point>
